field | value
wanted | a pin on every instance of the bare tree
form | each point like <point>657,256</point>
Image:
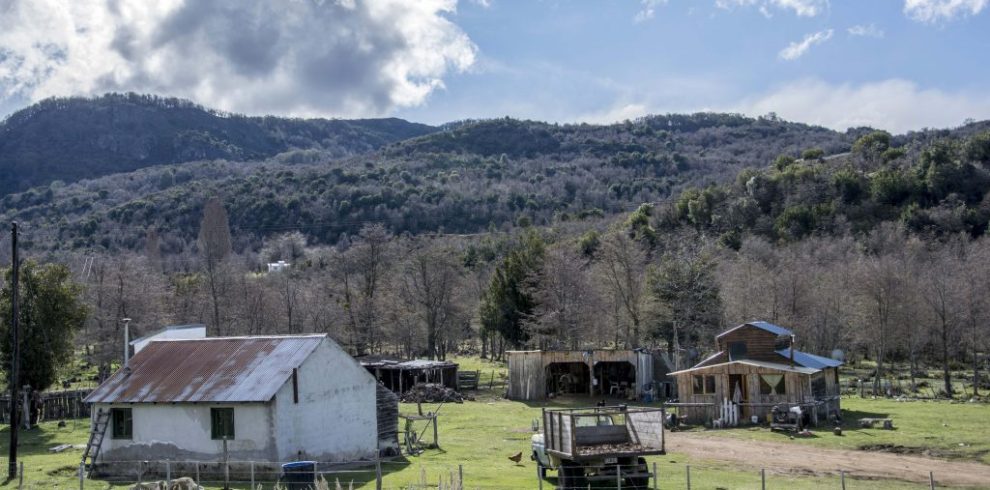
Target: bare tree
<point>568,305</point>
<point>362,274</point>
<point>622,265</point>
<point>431,280</point>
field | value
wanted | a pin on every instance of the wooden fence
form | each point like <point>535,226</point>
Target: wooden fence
<point>55,405</point>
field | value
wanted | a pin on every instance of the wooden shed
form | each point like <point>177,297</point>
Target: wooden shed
<point>755,367</point>
<point>535,375</point>
<point>400,376</point>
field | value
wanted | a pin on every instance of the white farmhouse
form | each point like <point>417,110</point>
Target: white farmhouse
<point>273,398</point>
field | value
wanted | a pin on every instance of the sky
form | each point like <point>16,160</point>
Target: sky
<point>898,65</point>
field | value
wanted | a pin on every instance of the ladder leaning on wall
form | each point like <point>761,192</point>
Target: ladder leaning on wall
<point>96,433</point>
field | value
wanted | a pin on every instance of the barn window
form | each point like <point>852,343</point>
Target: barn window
<point>772,384</point>
<point>704,385</point>
<point>123,423</point>
<point>222,423</point>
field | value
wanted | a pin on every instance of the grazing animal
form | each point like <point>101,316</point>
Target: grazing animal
<point>516,458</point>
<point>184,483</point>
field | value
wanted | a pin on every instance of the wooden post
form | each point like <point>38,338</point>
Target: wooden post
<point>460,475</point>
<point>688,470</point>
<point>197,472</point>
<point>492,382</point>
<point>20,475</point>
<point>82,474</point>
<point>226,466</point>
<point>656,476</point>
<point>436,439</point>
<point>252,474</point>
<point>378,474</point>
<point>539,475</point>
<point>763,478</point>
<point>931,480</point>
<point>168,474</point>
<point>618,476</point>
<point>842,478</point>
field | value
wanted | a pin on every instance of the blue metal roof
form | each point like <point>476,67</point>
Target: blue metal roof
<point>810,360</point>
<point>769,327</point>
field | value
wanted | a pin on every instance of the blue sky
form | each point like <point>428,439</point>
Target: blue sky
<point>895,64</point>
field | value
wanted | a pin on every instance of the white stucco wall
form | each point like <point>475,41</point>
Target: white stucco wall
<point>336,417</point>
<point>182,431</point>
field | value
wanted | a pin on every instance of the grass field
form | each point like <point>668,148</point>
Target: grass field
<point>480,435</point>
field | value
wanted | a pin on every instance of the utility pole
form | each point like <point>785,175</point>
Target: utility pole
<point>16,350</point>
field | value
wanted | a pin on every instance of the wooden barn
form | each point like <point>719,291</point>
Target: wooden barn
<point>537,375</point>
<point>756,367</point>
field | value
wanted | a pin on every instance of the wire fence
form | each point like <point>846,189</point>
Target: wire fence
<point>411,475</point>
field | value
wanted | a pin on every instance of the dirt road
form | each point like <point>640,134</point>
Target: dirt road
<point>783,457</point>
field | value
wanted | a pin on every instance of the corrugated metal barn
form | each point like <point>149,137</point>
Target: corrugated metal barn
<point>273,398</point>
<point>536,375</point>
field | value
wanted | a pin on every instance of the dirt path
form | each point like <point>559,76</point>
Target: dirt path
<point>798,458</point>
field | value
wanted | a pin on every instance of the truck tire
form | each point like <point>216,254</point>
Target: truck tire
<point>640,482</point>
<point>571,477</point>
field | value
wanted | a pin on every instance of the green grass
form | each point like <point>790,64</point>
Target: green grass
<point>480,435</point>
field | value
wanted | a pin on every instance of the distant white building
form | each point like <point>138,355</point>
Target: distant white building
<point>273,398</point>
<point>277,266</point>
<point>173,332</point>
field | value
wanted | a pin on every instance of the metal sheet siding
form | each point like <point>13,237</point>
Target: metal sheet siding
<point>223,369</point>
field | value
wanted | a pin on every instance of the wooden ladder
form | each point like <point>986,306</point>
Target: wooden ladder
<point>96,433</point>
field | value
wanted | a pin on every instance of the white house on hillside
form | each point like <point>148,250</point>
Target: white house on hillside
<point>273,398</point>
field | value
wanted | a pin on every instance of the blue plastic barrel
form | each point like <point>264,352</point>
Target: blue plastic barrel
<point>299,475</point>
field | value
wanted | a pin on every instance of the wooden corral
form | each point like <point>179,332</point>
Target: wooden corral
<point>757,369</point>
<point>535,375</point>
<point>400,376</point>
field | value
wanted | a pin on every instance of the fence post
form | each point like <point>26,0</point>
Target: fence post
<point>226,465</point>
<point>168,473</point>
<point>460,476</point>
<point>20,477</point>
<point>618,476</point>
<point>688,477</point>
<point>842,478</point>
<point>931,480</point>
<point>378,474</point>
<point>656,476</point>
<point>197,472</point>
<point>763,478</point>
<point>252,475</point>
<point>539,475</point>
<point>82,474</point>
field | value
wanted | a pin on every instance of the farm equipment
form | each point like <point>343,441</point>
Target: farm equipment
<point>784,418</point>
<point>599,444</point>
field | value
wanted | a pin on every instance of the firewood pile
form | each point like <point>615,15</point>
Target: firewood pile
<point>625,447</point>
<point>432,393</point>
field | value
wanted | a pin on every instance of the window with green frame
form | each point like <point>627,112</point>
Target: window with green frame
<point>222,423</point>
<point>122,423</point>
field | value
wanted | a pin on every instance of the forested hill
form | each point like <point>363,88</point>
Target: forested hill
<point>68,139</point>
<point>469,177</point>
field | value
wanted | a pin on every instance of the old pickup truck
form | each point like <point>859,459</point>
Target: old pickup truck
<point>600,443</point>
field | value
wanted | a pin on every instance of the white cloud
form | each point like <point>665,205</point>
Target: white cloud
<point>796,49</point>
<point>933,11</point>
<point>648,9</point>
<point>618,113</point>
<point>299,57</point>
<point>895,105</point>
<point>803,8</point>
<point>864,30</point>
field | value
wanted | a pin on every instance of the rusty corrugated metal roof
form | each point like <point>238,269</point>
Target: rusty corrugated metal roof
<point>219,369</point>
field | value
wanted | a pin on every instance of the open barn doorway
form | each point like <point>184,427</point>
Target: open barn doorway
<point>616,379</point>
<point>567,378</point>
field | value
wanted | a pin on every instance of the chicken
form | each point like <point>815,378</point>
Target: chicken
<point>516,458</point>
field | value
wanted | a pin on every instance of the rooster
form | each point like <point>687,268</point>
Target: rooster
<point>516,458</point>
